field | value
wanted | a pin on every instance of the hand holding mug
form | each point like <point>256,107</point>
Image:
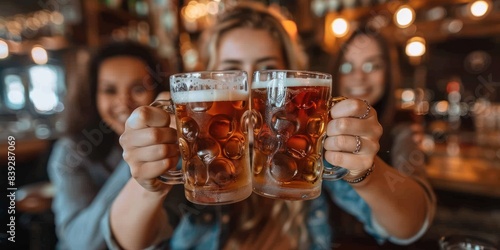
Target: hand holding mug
<point>150,147</point>
<point>352,136</point>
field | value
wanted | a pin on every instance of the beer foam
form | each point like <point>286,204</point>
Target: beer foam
<point>210,95</point>
<point>292,82</point>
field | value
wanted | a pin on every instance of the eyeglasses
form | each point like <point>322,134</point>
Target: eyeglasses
<point>367,67</point>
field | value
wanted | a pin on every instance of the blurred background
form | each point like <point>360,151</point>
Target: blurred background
<point>449,52</point>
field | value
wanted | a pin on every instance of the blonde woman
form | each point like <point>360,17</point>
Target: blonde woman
<point>250,38</point>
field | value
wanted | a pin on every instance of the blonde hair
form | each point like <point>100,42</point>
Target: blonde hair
<point>255,16</point>
<point>257,214</point>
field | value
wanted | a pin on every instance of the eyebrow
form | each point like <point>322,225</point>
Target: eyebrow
<point>371,58</point>
<point>260,60</point>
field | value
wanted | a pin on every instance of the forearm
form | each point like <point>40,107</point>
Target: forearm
<point>398,203</point>
<point>137,217</point>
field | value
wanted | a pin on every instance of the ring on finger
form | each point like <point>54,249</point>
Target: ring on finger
<point>368,108</point>
<point>358,145</point>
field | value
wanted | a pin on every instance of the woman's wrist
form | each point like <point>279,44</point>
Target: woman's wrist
<point>360,177</point>
<point>355,178</point>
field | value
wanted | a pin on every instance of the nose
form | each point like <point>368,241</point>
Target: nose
<point>125,99</point>
<point>358,74</point>
<point>250,69</point>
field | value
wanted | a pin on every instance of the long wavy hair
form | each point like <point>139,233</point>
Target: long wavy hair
<point>81,114</point>
<point>255,16</point>
<point>252,216</point>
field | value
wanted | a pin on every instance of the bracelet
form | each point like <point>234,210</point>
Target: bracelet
<point>361,178</point>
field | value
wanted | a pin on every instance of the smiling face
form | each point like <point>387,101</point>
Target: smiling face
<point>123,85</point>
<point>362,70</point>
<point>249,49</point>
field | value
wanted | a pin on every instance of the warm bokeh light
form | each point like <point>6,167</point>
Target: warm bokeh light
<point>340,27</point>
<point>290,27</point>
<point>441,107</point>
<point>404,16</point>
<point>408,95</point>
<point>213,8</point>
<point>415,47</point>
<point>454,26</point>
<point>479,8</point>
<point>4,49</point>
<point>39,55</point>
<point>57,18</point>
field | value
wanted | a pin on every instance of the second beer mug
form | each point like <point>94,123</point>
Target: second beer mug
<point>290,111</point>
<point>213,139</point>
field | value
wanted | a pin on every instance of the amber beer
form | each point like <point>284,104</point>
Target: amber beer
<point>289,118</point>
<point>214,149</point>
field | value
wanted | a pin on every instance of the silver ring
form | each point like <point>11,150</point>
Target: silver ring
<point>368,108</point>
<point>358,145</point>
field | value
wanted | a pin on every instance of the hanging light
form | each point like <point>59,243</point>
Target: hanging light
<point>340,27</point>
<point>39,55</point>
<point>479,8</point>
<point>415,47</point>
<point>404,16</point>
<point>4,49</point>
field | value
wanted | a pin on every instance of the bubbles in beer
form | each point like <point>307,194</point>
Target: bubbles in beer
<point>189,128</point>
<point>221,127</point>
<point>200,106</point>
<point>311,167</point>
<point>315,125</point>
<point>256,121</point>
<point>221,171</point>
<point>298,146</point>
<point>283,124</point>
<point>259,103</point>
<point>197,172</point>
<point>235,147</point>
<point>207,149</point>
<point>266,142</point>
<point>259,162</point>
<point>239,105</point>
<point>184,147</point>
<point>306,99</point>
<point>283,168</point>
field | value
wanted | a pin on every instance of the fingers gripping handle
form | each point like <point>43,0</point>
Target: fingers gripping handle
<point>171,177</point>
<point>330,172</point>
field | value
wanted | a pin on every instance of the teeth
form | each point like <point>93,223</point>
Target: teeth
<point>359,91</point>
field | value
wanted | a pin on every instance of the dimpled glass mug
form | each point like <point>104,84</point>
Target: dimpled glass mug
<point>209,110</point>
<point>290,111</point>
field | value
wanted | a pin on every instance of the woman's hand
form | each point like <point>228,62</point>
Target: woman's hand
<point>354,123</point>
<point>150,147</point>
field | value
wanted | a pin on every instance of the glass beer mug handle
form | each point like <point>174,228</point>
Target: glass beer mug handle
<point>171,177</point>
<point>330,172</point>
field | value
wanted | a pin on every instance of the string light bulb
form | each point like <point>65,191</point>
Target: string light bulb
<point>479,8</point>
<point>340,27</point>
<point>4,49</point>
<point>415,47</point>
<point>404,16</point>
<point>39,55</point>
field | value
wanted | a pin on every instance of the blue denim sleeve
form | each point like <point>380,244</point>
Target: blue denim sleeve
<point>348,199</point>
<point>193,234</point>
<point>317,224</point>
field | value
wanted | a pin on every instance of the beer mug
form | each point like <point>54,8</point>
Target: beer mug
<point>465,242</point>
<point>290,112</point>
<point>209,109</point>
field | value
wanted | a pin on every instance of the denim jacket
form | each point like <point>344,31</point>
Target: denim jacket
<point>206,227</point>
